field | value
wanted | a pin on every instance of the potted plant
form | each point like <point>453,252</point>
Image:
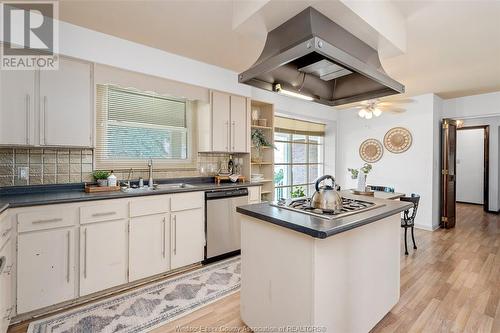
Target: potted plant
<point>259,140</point>
<point>360,175</point>
<point>101,177</point>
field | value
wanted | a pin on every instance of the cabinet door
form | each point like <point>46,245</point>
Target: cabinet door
<point>103,256</point>
<point>17,90</point>
<point>5,287</point>
<point>220,121</point>
<point>45,268</point>
<point>66,106</point>
<point>239,133</point>
<point>149,246</point>
<point>188,237</point>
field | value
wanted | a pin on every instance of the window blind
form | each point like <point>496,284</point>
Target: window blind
<point>134,126</point>
<point>295,126</point>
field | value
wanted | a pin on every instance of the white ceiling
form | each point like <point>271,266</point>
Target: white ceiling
<point>453,47</point>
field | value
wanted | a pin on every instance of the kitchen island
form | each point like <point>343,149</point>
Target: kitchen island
<point>302,271</point>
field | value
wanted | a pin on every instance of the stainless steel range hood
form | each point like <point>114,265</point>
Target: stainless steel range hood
<point>316,58</point>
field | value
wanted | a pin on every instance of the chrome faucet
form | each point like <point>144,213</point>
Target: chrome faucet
<point>150,180</point>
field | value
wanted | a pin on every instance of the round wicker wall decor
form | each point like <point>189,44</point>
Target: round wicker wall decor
<point>371,150</point>
<point>398,140</point>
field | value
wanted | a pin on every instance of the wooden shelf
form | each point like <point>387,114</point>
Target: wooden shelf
<point>262,147</point>
<point>262,127</point>
<point>262,163</point>
<point>265,192</point>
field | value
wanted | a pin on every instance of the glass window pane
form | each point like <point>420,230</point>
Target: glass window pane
<point>315,154</point>
<point>311,189</point>
<point>299,173</point>
<point>315,171</point>
<point>299,153</point>
<point>282,193</point>
<point>282,175</point>
<point>282,136</point>
<point>282,153</point>
<point>299,138</point>
<point>316,139</point>
<point>299,191</point>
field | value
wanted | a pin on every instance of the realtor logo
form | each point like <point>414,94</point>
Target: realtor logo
<point>29,34</point>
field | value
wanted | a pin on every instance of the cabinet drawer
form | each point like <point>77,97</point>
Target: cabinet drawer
<point>185,201</point>
<point>49,218</point>
<point>106,211</point>
<point>151,205</point>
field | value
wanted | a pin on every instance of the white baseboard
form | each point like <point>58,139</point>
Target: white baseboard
<point>426,227</point>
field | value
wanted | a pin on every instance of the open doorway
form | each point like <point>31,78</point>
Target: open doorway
<point>473,165</point>
<point>452,134</point>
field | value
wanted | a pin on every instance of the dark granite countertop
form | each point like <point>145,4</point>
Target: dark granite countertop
<point>55,194</point>
<point>323,228</point>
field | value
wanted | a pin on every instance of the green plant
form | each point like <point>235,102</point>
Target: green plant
<point>259,139</point>
<point>278,176</point>
<point>354,173</point>
<point>100,174</point>
<point>298,192</point>
<point>366,168</point>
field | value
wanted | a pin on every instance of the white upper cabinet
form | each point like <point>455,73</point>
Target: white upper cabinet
<point>227,127</point>
<point>49,107</point>
<point>17,101</point>
<point>66,105</point>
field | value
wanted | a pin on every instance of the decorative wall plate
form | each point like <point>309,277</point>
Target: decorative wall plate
<point>398,140</point>
<point>371,150</point>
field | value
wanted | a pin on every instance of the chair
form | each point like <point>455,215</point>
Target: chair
<point>381,188</point>
<point>408,220</point>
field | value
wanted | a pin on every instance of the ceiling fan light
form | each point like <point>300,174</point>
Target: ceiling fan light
<point>377,112</point>
<point>362,113</point>
<point>369,115</point>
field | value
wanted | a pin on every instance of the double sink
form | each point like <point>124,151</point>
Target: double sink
<point>159,187</point>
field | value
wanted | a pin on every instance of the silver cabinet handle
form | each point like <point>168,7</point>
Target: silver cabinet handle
<point>175,234</point>
<point>233,132</point>
<point>45,121</point>
<point>103,214</point>
<point>27,119</point>
<point>227,136</point>
<point>68,262</point>
<point>58,219</point>
<point>163,238</point>
<point>6,232</point>
<point>85,254</point>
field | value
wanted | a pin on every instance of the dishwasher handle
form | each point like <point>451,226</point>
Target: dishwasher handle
<point>232,193</point>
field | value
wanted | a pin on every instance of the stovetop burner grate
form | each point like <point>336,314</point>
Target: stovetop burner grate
<point>349,206</point>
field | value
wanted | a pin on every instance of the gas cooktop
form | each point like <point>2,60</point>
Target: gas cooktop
<point>349,207</point>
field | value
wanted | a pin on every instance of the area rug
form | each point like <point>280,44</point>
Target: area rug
<point>149,307</point>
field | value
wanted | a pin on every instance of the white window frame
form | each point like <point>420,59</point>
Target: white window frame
<point>102,121</point>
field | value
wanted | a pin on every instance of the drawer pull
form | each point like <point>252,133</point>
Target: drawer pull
<point>58,219</point>
<point>103,214</point>
<point>6,232</point>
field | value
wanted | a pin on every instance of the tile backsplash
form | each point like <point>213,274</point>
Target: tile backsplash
<point>61,166</point>
<point>45,166</point>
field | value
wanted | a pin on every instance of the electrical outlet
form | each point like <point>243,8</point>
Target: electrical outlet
<point>23,172</point>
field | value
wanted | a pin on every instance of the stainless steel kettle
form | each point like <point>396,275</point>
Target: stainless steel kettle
<point>326,196</point>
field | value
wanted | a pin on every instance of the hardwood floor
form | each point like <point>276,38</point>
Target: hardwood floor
<point>450,284</point>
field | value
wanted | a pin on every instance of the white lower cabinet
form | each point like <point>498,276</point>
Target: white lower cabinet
<point>103,255</point>
<point>45,268</point>
<point>188,237</point>
<point>149,246</point>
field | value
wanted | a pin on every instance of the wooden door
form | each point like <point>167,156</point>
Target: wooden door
<point>45,268</point>
<point>448,167</point>
<point>149,246</point>
<point>239,134</point>
<point>17,101</point>
<point>220,121</point>
<point>66,107</point>
<point>103,255</point>
<point>188,237</point>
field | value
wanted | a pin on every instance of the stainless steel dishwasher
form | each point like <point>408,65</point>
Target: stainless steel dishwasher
<point>222,221</point>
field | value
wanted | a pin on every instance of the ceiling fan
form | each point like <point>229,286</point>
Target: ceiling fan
<point>375,107</point>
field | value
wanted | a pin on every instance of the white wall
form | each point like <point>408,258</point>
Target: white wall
<point>481,109</point>
<point>470,165</point>
<point>411,172</point>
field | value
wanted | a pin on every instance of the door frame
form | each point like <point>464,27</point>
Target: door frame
<point>486,164</point>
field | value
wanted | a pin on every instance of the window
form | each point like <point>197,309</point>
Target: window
<point>135,126</point>
<point>299,158</point>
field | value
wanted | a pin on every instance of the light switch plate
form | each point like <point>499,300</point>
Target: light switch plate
<point>23,172</point>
